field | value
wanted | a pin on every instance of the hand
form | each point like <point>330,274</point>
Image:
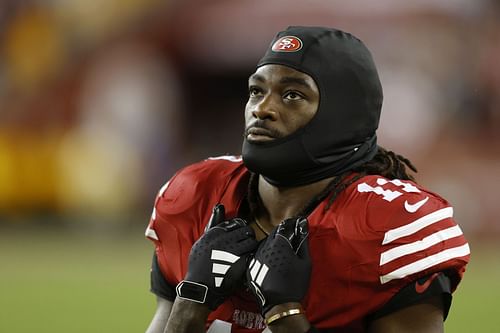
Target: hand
<point>281,268</point>
<point>218,260</point>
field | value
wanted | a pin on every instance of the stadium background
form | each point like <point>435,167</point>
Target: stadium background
<point>101,101</point>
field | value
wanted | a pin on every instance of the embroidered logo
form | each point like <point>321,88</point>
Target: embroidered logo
<point>421,288</point>
<point>412,208</point>
<point>258,272</point>
<point>250,320</point>
<point>219,269</point>
<point>287,44</point>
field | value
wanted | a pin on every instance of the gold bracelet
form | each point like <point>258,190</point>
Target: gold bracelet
<point>283,314</point>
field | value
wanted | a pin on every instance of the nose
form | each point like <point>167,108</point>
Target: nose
<point>265,109</point>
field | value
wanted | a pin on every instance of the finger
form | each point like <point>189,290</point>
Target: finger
<point>293,231</point>
<point>301,240</point>
<point>247,245</point>
<point>218,216</point>
<point>231,225</point>
<point>242,233</point>
<point>248,232</point>
<point>286,229</point>
<point>234,224</point>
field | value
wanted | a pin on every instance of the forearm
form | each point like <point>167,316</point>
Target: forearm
<point>160,319</point>
<point>188,317</point>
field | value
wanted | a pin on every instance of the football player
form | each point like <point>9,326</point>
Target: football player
<point>315,228</point>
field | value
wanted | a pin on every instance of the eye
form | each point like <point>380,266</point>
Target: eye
<point>254,91</point>
<point>293,96</point>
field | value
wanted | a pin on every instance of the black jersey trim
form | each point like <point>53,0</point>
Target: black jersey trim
<point>159,285</point>
<point>437,284</point>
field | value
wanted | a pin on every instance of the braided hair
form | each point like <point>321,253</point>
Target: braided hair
<point>385,163</point>
<point>389,165</point>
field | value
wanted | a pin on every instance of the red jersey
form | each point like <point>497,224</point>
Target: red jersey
<point>378,236</point>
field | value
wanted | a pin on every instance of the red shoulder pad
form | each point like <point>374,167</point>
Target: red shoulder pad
<point>193,187</point>
<point>183,206</point>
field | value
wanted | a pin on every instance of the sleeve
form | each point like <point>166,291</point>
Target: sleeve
<point>181,210</point>
<point>380,237</point>
<point>169,236</point>
<point>436,284</point>
<point>159,285</point>
<point>419,235</point>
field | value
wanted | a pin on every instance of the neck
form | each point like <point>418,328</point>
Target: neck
<point>280,203</point>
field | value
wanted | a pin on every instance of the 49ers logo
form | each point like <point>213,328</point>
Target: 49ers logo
<point>287,44</point>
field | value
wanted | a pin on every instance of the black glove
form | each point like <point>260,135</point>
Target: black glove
<point>281,268</point>
<point>218,260</point>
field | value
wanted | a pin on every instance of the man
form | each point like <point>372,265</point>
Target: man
<point>316,228</point>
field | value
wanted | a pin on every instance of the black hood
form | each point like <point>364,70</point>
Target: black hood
<point>341,136</point>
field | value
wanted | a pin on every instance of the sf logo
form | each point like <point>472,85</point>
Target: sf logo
<point>287,44</point>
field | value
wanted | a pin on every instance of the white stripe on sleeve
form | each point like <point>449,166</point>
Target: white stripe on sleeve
<point>425,263</point>
<point>417,225</point>
<point>151,233</point>
<point>163,188</point>
<point>419,245</point>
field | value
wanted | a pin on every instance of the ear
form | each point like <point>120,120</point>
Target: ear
<point>218,216</point>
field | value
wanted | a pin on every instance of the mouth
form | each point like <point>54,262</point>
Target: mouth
<point>259,134</point>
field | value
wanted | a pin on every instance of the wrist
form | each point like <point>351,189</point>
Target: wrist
<point>287,317</point>
<point>278,308</point>
<point>198,293</point>
<point>192,291</point>
<point>187,317</point>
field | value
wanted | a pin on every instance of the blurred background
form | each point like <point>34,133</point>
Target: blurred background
<point>102,101</point>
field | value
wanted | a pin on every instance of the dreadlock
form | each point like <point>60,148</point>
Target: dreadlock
<point>389,165</point>
<point>385,163</point>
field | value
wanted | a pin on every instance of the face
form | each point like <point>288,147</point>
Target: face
<point>280,101</point>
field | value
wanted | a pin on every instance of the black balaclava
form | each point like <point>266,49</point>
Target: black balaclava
<point>341,135</point>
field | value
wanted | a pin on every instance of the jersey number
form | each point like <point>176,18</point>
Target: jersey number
<point>388,195</point>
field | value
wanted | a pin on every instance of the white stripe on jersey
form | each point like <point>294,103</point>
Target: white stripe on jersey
<point>151,233</point>
<point>435,238</point>
<point>422,264</point>
<point>230,158</point>
<point>163,189</point>
<point>417,225</point>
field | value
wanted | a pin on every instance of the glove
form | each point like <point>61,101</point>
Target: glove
<point>218,260</point>
<point>281,268</point>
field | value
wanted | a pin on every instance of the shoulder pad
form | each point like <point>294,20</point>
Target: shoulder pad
<point>416,228</point>
<point>195,183</point>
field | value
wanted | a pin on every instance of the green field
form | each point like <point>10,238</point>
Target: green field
<point>75,282</point>
<point>54,282</point>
